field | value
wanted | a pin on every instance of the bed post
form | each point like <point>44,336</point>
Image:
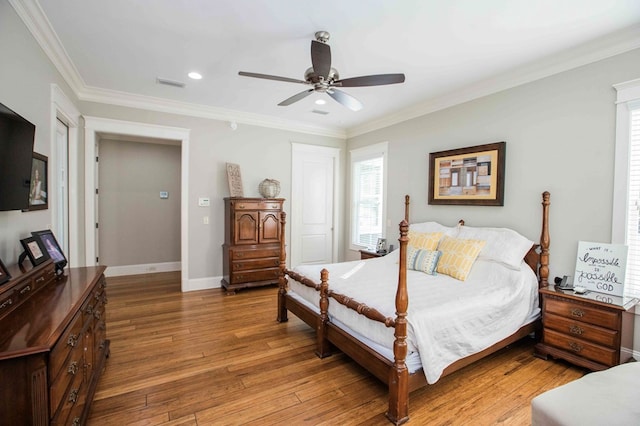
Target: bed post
<point>399,374</point>
<point>282,281</point>
<point>544,241</point>
<point>406,208</point>
<point>323,348</point>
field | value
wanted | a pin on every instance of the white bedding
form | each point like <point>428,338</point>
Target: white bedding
<point>448,319</point>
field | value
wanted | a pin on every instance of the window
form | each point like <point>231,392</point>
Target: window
<point>368,195</point>
<point>626,200</point>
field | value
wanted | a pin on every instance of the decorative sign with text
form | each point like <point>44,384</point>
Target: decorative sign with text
<point>601,267</point>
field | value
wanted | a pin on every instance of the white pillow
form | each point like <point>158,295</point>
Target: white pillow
<point>503,245</point>
<point>428,227</point>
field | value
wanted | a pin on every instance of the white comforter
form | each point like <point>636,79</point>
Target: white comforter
<point>448,319</point>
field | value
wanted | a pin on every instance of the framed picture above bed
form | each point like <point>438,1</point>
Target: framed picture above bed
<point>468,176</point>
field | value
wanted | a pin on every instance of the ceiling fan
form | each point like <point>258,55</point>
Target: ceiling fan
<point>325,79</point>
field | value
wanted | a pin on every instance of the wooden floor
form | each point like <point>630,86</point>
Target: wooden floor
<point>204,358</point>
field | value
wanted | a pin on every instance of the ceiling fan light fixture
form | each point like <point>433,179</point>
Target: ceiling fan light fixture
<point>320,102</point>
<point>195,75</point>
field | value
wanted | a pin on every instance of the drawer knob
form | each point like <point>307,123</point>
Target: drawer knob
<point>72,340</point>
<point>39,280</point>
<point>575,347</point>
<point>239,254</point>
<point>25,290</point>
<point>575,329</point>
<point>73,395</point>
<point>241,206</point>
<point>73,368</point>
<point>76,421</point>
<point>578,313</point>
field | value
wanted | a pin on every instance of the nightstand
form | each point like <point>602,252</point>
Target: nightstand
<point>365,254</point>
<point>588,330</point>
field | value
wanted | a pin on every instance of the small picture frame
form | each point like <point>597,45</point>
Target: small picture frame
<point>38,187</point>
<point>381,246</point>
<point>34,250</point>
<point>4,273</point>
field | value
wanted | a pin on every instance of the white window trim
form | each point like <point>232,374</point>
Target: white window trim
<point>628,97</point>
<point>358,154</point>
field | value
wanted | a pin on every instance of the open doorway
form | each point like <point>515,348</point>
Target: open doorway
<point>95,128</point>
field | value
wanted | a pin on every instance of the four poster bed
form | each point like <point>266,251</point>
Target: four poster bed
<point>460,312</point>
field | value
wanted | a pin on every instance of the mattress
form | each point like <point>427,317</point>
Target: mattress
<point>447,319</point>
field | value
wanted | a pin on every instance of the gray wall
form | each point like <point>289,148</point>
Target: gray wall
<point>137,227</point>
<point>560,134</point>
<point>26,76</point>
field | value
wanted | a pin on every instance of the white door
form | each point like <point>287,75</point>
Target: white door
<point>312,205</point>
<point>62,193</point>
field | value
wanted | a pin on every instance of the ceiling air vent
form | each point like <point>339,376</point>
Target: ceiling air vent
<point>317,111</point>
<point>168,82</point>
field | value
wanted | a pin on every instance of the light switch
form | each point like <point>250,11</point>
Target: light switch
<point>204,202</point>
<point>164,195</point>
<point>205,220</point>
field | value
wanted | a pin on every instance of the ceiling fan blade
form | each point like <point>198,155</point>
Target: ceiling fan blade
<point>371,80</point>
<point>321,58</point>
<point>347,100</point>
<point>271,77</point>
<point>296,98</point>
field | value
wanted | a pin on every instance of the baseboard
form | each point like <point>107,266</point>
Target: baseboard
<point>149,268</point>
<point>202,284</point>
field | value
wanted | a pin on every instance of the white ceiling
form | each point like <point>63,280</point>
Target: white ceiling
<point>449,50</point>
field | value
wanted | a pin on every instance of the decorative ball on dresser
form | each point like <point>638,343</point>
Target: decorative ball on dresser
<point>269,188</point>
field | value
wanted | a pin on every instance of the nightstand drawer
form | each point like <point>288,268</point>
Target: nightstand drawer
<point>583,313</point>
<point>592,333</point>
<point>581,348</point>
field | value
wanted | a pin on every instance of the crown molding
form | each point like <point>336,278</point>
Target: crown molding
<point>596,50</point>
<point>38,24</point>
<point>112,97</point>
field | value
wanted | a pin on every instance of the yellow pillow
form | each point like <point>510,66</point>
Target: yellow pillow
<point>424,240</point>
<point>458,256</point>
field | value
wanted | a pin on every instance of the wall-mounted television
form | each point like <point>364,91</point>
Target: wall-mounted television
<point>51,245</point>
<point>16,157</point>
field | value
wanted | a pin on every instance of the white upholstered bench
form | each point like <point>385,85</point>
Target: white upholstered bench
<point>610,397</point>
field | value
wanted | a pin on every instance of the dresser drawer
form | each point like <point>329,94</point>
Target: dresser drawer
<point>244,265</point>
<point>254,254</point>
<point>71,338</point>
<point>592,333</point>
<point>68,375</point>
<point>262,275</point>
<point>256,205</point>
<point>72,402</point>
<point>583,313</point>
<point>582,348</point>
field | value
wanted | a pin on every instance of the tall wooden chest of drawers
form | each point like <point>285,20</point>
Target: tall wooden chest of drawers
<point>251,249</point>
<point>588,330</point>
<point>53,344</point>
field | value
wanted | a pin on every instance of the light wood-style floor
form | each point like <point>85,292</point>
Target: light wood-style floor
<point>204,358</point>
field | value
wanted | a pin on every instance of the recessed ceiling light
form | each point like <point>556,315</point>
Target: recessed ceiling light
<point>320,102</point>
<point>195,75</point>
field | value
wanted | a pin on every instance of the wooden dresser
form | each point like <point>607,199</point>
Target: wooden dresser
<point>588,330</point>
<point>251,249</point>
<point>53,344</point>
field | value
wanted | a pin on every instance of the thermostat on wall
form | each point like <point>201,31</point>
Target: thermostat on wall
<point>204,202</point>
<point>164,194</point>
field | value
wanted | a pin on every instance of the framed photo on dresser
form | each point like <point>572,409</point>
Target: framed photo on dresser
<point>35,250</point>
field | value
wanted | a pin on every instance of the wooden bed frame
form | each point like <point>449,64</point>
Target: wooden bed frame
<point>395,374</point>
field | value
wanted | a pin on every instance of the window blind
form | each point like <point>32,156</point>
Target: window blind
<point>632,284</point>
<point>368,201</point>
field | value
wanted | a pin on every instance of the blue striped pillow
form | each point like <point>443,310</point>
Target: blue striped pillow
<point>423,260</point>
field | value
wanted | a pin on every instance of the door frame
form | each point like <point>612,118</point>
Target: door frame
<point>94,126</point>
<point>297,198</point>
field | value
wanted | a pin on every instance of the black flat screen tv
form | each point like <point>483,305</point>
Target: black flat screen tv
<point>50,243</point>
<point>16,158</point>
